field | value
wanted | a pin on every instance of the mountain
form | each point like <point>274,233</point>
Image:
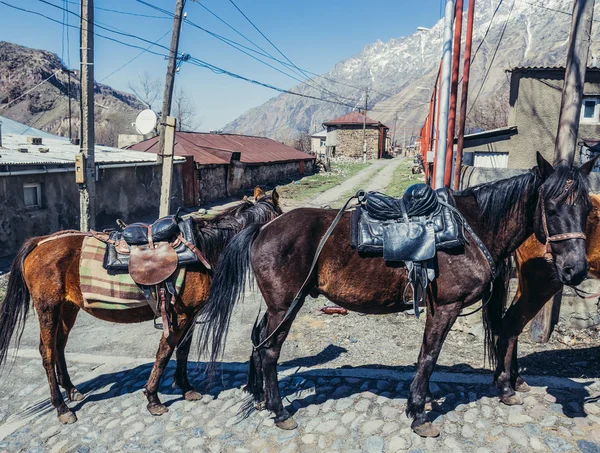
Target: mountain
<point>401,73</point>
<point>44,105</point>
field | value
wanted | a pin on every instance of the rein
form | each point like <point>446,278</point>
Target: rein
<point>548,256</point>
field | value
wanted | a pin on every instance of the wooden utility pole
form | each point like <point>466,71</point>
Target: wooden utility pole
<point>167,163</point>
<point>87,190</point>
<point>167,176</point>
<point>568,128</point>
<point>170,80</point>
<point>572,95</point>
<point>365,126</point>
<point>70,111</point>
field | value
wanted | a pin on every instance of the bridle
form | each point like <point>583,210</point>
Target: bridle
<point>548,256</point>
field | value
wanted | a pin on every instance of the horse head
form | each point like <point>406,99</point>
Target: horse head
<point>561,215</point>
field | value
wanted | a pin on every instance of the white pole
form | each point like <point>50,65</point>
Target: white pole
<point>440,163</point>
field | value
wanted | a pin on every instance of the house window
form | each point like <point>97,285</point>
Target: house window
<point>590,110</point>
<point>322,142</point>
<point>32,195</point>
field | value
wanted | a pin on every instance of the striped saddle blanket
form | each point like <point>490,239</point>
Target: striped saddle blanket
<point>114,290</point>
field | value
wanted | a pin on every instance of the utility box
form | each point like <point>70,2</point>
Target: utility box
<point>80,168</point>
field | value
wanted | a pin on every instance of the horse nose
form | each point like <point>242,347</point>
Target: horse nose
<point>574,276</point>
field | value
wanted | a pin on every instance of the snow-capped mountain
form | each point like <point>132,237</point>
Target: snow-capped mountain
<point>401,72</point>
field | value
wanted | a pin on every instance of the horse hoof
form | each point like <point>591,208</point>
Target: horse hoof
<point>522,387</point>
<point>511,400</point>
<point>67,418</point>
<point>426,430</point>
<point>260,406</point>
<point>157,409</point>
<point>192,395</point>
<point>75,395</point>
<point>287,424</point>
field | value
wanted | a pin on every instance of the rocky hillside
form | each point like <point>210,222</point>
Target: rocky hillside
<point>46,107</point>
<point>401,72</point>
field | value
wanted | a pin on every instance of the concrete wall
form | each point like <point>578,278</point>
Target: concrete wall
<point>535,98</point>
<point>349,142</point>
<point>131,194</point>
<point>315,146</point>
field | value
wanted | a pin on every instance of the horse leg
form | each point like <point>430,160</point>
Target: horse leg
<point>67,320</point>
<point>181,378</point>
<point>519,383</point>
<point>255,385</point>
<point>49,318</point>
<point>437,327</point>
<point>269,355</point>
<point>163,355</point>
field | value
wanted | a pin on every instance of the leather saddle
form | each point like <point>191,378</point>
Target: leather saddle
<point>151,253</point>
<point>410,230</point>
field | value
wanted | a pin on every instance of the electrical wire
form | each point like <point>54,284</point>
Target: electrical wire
<point>492,60</point>
<point>121,12</point>
<point>134,58</point>
<point>28,91</point>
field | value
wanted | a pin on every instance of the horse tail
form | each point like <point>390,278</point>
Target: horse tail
<point>493,312</point>
<point>14,309</point>
<point>227,289</point>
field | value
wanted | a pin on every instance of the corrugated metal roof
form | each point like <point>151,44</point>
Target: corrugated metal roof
<point>352,118</point>
<point>218,148</point>
<point>13,127</point>
<point>321,134</point>
<point>546,68</point>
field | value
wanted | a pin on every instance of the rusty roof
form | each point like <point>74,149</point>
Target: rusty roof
<point>218,149</point>
<point>352,118</point>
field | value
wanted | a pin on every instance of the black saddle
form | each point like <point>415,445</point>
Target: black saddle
<point>411,230</point>
<point>162,230</point>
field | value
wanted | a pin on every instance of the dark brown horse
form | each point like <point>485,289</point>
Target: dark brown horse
<point>49,274</point>
<point>538,282</point>
<point>502,213</point>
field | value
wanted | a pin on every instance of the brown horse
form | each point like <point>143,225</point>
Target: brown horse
<point>49,273</point>
<point>538,283</point>
<point>503,214</point>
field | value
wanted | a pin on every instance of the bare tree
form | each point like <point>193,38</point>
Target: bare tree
<point>185,111</point>
<point>147,89</point>
<point>490,112</point>
<point>302,142</point>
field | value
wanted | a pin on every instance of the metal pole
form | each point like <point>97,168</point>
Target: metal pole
<point>464,95</point>
<point>458,13</point>
<point>572,95</point>
<point>87,190</point>
<point>365,126</point>
<point>170,80</point>
<point>444,96</point>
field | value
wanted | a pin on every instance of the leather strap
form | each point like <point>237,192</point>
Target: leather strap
<point>150,242</point>
<point>197,252</point>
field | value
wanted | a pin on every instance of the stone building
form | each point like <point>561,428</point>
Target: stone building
<point>535,97</point>
<point>39,194</point>
<point>229,164</point>
<point>345,136</point>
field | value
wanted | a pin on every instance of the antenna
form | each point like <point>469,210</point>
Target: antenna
<point>145,123</point>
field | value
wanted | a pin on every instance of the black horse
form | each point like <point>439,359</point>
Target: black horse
<point>503,214</point>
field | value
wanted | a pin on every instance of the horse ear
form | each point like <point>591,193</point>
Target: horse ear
<point>258,193</point>
<point>589,165</point>
<point>544,167</point>
<point>275,197</point>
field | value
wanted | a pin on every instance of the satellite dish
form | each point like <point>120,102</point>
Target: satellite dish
<point>145,123</point>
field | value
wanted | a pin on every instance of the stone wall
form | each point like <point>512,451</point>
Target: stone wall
<point>212,182</point>
<point>129,193</point>
<point>243,177</point>
<point>350,143</point>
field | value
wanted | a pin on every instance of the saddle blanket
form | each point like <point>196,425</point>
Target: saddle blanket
<point>114,290</point>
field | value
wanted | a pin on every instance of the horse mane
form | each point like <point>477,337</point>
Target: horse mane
<point>212,235</point>
<point>567,184</point>
<point>499,199</point>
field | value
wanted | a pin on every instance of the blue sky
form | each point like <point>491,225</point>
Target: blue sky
<point>313,34</point>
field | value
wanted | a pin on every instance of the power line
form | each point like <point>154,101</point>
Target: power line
<point>493,57</point>
<point>134,58</point>
<point>122,12</point>
<point>30,90</point>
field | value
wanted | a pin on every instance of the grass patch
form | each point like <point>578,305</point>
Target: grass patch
<point>311,186</point>
<point>403,179</point>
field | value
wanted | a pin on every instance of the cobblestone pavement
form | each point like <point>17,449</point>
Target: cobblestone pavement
<point>343,410</point>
